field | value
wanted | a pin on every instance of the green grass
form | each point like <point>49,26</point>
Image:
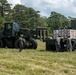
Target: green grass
<point>37,62</point>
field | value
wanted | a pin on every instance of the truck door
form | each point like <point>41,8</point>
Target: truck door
<point>8,29</point>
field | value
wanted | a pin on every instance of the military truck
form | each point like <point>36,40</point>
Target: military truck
<point>63,39</point>
<point>10,33</point>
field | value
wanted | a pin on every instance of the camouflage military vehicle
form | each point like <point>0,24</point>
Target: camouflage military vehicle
<point>63,39</point>
<point>10,33</point>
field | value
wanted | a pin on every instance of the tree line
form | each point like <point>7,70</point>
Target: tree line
<point>30,18</point>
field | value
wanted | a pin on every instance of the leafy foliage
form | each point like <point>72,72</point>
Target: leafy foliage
<point>56,21</point>
<point>26,16</point>
<point>1,21</point>
<point>5,12</point>
<point>4,8</point>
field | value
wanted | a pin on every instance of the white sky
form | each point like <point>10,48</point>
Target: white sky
<point>65,7</point>
<point>14,2</point>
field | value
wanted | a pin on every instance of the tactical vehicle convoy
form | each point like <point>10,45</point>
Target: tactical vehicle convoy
<point>10,33</point>
<point>63,39</point>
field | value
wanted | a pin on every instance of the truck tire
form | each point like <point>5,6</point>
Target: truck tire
<point>48,47</point>
<point>33,44</point>
<point>73,47</point>
<point>1,43</point>
<point>17,44</point>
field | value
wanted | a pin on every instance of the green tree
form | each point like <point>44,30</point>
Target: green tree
<point>26,16</point>
<point>57,20</point>
<point>1,21</point>
<point>4,8</point>
<point>42,22</point>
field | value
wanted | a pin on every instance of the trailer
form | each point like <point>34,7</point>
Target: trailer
<point>63,39</point>
<point>39,33</point>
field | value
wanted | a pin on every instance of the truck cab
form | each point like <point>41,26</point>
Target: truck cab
<point>10,28</point>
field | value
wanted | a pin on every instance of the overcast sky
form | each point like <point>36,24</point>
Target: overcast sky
<point>65,7</point>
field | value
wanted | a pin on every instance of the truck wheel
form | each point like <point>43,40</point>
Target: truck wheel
<point>17,44</point>
<point>1,43</point>
<point>32,44</point>
<point>73,47</point>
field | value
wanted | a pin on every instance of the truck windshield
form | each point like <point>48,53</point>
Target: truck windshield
<point>16,26</point>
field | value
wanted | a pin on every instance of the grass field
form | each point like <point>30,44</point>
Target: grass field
<point>37,62</point>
